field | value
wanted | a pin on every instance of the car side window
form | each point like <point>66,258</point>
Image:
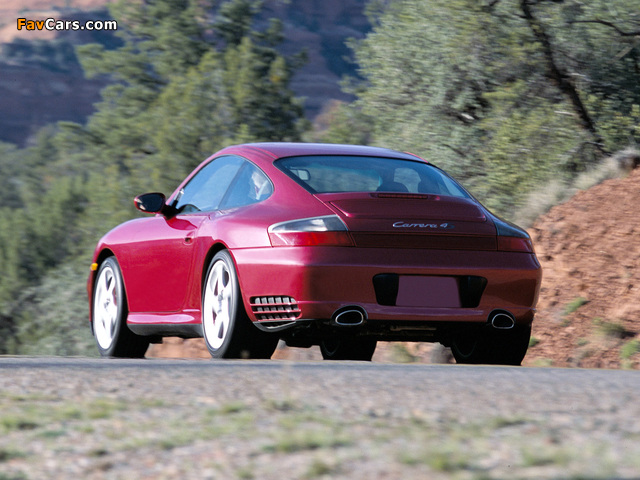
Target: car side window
<point>206,189</point>
<point>251,185</point>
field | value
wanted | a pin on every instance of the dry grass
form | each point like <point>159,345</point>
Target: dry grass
<point>555,192</point>
<point>309,442</point>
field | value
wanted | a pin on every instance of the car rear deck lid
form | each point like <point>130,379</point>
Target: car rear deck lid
<point>406,205</point>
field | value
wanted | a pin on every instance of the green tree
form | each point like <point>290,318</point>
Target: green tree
<point>11,171</point>
<point>424,71</point>
<point>234,20</point>
<point>340,122</point>
<point>178,97</point>
<point>258,79</point>
<point>505,94</point>
<point>53,318</point>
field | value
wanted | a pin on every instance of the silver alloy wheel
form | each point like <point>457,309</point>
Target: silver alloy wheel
<point>218,304</point>
<point>106,307</point>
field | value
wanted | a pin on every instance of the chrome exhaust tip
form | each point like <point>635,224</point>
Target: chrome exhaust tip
<point>502,321</point>
<point>349,317</point>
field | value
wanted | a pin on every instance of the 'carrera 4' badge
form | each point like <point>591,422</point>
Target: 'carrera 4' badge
<point>443,226</point>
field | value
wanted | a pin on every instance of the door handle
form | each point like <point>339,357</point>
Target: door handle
<point>188,239</point>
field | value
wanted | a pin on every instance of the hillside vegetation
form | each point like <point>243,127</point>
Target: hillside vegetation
<point>514,97</point>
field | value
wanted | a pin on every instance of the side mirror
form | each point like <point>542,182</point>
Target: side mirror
<point>153,203</point>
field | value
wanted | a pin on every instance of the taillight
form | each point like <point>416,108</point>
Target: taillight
<point>514,244</point>
<point>512,238</point>
<point>328,231</point>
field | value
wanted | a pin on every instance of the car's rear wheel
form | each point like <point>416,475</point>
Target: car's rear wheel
<point>491,346</point>
<point>109,315</point>
<point>354,348</point>
<point>227,330</point>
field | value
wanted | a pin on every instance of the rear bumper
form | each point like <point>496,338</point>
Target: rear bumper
<point>318,281</point>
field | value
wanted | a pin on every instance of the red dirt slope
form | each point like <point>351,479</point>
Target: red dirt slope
<point>589,308</point>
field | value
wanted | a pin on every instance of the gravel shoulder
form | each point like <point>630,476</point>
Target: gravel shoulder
<point>204,419</point>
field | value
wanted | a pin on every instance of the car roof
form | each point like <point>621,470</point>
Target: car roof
<point>276,150</point>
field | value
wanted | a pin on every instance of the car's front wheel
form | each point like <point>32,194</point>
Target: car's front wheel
<point>227,330</point>
<point>490,346</point>
<point>354,348</point>
<point>109,315</point>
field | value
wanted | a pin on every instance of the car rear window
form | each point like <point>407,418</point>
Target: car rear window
<point>333,174</point>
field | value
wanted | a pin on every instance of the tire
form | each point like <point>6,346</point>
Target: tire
<point>227,330</point>
<point>109,315</point>
<point>492,347</point>
<point>348,349</point>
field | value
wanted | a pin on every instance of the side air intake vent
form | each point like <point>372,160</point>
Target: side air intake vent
<point>274,308</point>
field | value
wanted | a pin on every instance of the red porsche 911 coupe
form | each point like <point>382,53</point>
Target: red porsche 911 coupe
<point>339,246</point>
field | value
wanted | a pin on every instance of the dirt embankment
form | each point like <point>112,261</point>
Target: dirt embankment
<point>589,308</point>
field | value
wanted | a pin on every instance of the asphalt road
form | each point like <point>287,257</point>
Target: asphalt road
<point>587,422</point>
<point>485,388</point>
<point>464,391</point>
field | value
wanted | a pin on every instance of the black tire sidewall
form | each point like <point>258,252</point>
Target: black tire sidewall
<point>467,347</point>
<point>357,349</point>
<point>493,347</point>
